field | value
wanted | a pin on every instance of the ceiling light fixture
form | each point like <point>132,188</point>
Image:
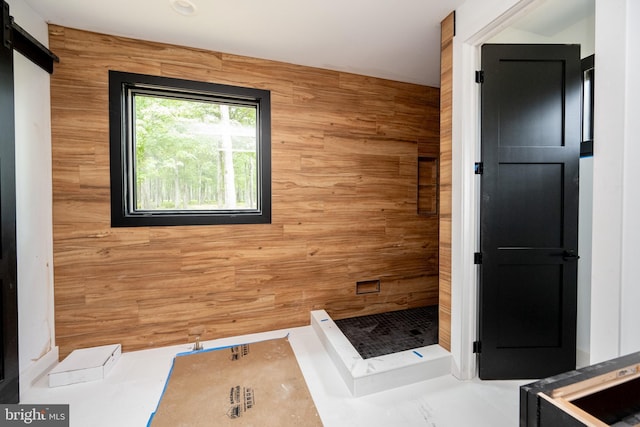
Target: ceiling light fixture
<point>183,7</point>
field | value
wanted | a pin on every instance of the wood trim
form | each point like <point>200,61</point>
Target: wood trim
<point>446,102</point>
<point>579,414</point>
<point>601,382</point>
<point>447,30</point>
<point>344,175</point>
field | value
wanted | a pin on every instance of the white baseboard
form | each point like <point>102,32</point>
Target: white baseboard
<point>38,369</point>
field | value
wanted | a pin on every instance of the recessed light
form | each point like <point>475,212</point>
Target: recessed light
<point>183,7</point>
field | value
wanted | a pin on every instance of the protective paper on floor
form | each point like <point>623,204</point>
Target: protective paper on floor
<point>256,384</point>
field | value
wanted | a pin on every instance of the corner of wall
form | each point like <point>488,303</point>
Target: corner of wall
<point>39,368</point>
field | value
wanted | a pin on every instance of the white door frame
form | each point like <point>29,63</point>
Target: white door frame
<point>475,24</point>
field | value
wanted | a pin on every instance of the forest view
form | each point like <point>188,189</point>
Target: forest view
<point>194,155</point>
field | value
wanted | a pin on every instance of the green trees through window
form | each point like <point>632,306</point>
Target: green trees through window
<point>187,153</point>
<point>193,155</point>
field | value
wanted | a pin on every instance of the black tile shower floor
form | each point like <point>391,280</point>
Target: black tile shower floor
<point>387,333</point>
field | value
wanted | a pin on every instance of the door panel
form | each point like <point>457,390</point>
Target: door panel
<point>531,191</point>
<point>531,302</point>
<point>529,210</point>
<point>525,104</point>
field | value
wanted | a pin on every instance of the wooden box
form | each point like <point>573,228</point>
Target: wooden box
<point>605,394</point>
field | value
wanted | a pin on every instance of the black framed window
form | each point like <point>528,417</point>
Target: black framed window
<point>188,153</point>
<point>588,82</point>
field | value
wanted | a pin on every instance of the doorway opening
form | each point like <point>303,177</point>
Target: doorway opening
<point>466,197</point>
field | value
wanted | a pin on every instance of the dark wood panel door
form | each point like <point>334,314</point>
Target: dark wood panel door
<point>529,210</point>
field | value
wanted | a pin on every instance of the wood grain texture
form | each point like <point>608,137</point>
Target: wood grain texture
<point>446,126</point>
<point>344,150</point>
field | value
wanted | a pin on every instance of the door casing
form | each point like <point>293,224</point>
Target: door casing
<point>470,36</point>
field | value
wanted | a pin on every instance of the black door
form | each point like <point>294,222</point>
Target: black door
<point>9,371</point>
<point>529,210</point>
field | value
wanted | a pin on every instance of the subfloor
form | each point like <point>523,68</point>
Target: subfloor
<point>130,393</point>
<point>386,333</point>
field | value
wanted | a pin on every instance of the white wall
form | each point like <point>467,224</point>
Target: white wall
<point>609,118</point>
<point>616,233</point>
<point>630,292</point>
<point>585,249</point>
<point>36,335</point>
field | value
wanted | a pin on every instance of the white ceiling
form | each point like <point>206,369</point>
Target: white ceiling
<point>397,40</point>
<point>392,39</point>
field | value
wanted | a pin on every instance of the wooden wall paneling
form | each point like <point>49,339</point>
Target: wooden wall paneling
<point>344,162</point>
<point>446,101</point>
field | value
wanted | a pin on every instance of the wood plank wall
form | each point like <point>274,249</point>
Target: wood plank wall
<point>344,150</point>
<point>446,126</point>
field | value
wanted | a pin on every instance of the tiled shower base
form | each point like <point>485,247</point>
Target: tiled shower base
<point>365,376</point>
<point>392,332</point>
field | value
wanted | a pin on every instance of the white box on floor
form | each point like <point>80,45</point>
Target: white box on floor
<point>87,364</point>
